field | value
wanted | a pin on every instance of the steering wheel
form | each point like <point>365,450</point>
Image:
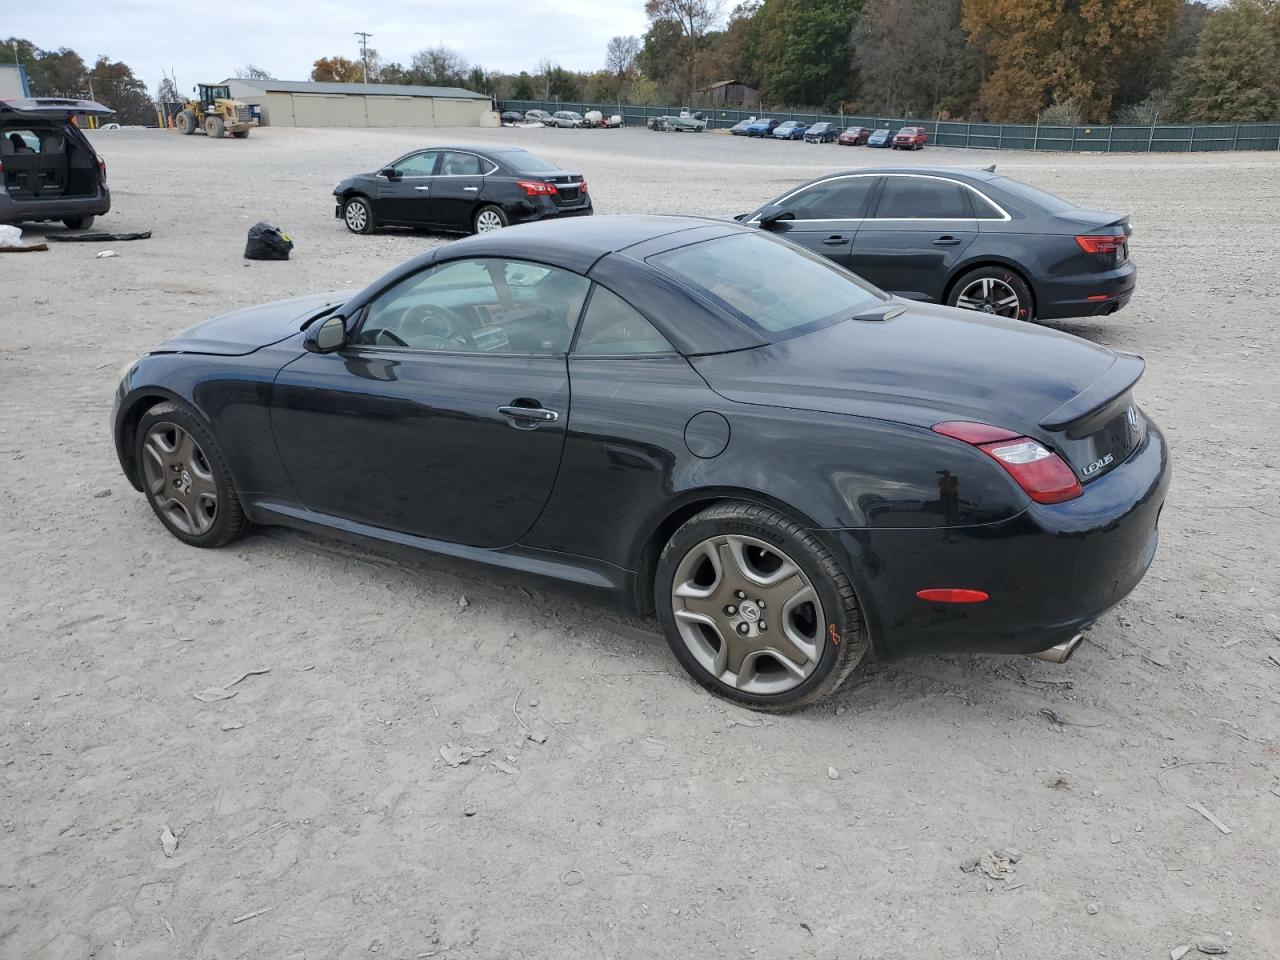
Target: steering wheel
<point>387,335</point>
<point>433,320</point>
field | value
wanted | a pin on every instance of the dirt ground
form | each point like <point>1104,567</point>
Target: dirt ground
<point>314,814</point>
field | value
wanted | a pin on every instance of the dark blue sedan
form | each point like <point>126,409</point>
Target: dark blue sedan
<point>790,130</point>
<point>762,127</point>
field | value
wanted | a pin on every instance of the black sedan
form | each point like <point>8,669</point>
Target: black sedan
<point>462,190</point>
<point>793,469</point>
<point>966,238</point>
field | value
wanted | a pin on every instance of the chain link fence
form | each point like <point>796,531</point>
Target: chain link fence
<point>1160,138</point>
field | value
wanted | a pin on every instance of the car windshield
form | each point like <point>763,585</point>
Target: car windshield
<point>1024,191</point>
<point>770,285</point>
<point>521,161</point>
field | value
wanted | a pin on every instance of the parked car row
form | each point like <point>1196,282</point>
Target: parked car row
<point>561,118</point>
<point>907,138</point>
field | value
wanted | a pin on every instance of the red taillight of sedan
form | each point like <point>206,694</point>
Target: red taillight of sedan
<point>102,169</point>
<point>1106,244</point>
<point>1042,474</point>
<point>537,188</point>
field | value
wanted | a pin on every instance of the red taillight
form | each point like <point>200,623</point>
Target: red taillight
<point>102,169</point>
<point>952,595</point>
<point>583,188</point>
<point>1041,473</point>
<point>1107,244</point>
<point>537,188</point>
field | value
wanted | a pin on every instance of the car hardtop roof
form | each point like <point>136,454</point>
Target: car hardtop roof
<point>958,172</point>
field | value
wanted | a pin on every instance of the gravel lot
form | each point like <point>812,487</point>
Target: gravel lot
<point>654,821</point>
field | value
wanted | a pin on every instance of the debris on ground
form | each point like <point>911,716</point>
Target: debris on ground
<point>997,868</point>
<point>469,811</point>
<point>505,767</point>
<point>214,694</point>
<point>266,242</point>
<point>1091,909</point>
<point>968,866</point>
<point>833,773</point>
<point>1200,809</point>
<point>99,237</point>
<point>1211,946</point>
<point>536,737</point>
<point>1012,854</point>
<point>106,492</point>
<point>571,878</point>
<point>1177,953</point>
<point>11,241</point>
<point>463,603</point>
<point>105,254</point>
<point>250,915</point>
<point>232,725</point>
<point>456,756</point>
<point>168,842</point>
<point>1159,656</point>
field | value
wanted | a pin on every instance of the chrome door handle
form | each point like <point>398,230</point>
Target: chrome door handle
<point>537,414</point>
<point>422,189</point>
<point>835,241</point>
<point>471,188</point>
<point>946,242</point>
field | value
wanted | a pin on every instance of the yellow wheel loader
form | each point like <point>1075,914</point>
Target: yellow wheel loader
<point>214,112</point>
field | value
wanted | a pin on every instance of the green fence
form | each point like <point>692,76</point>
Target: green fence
<point>1162,138</point>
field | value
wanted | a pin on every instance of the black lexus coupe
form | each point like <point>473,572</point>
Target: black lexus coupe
<point>461,190</point>
<point>792,468</point>
<point>966,238</point>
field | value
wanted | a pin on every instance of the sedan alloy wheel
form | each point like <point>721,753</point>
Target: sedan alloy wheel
<point>748,614</point>
<point>990,295</point>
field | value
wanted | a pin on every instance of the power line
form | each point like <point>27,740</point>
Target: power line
<point>364,51</point>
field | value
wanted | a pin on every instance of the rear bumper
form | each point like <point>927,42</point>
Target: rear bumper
<point>1050,572</point>
<point>1086,295</point>
<point>544,208</point>
<point>54,208</point>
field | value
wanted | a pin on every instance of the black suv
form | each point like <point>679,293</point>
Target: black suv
<point>48,169</point>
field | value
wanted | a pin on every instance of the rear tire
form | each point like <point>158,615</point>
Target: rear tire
<point>997,290</point>
<point>757,609</point>
<point>186,480</point>
<point>215,127</point>
<point>78,223</point>
<point>186,122</point>
<point>488,219</point>
<point>357,214</point>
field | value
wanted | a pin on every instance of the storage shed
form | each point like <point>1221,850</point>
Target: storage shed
<point>297,103</point>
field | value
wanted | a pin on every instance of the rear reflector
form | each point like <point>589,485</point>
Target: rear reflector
<point>1106,244</point>
<point>1041,473</point>
<point>952,595</point>
<point>1097,296</point>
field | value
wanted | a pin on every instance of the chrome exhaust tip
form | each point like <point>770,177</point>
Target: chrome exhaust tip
<point>1062,652</point>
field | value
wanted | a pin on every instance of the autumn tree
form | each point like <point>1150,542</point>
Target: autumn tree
<point>1234,75</point>
<point>911,58</point>
<point>1039,51</point>
<point>620,55</point>
<point>693,19</point>
<point>337,70</point>
<point>730,52</point>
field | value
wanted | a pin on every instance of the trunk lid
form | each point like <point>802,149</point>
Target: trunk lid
<point>931,364</point>
<point>252,328</point>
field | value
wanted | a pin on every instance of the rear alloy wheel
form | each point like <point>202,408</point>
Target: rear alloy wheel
<point>490,218</point>
<point>185,478</point>
<point>995,290</point>
<point>358,215</point>
<point>757,609</point>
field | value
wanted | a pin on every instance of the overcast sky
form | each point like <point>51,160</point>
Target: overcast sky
<point>208,41</point>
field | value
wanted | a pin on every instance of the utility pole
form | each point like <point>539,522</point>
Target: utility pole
<point>364,51</point>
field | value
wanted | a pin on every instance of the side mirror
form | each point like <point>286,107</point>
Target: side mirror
<point>772,214</point>
<point>327,336</point>
<point>389,173</point>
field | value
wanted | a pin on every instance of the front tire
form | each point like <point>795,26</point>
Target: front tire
<point>488,219</point>
<point>357,214</point>
<point>996,290</point>
<point>78,223</point>
<point>757,609</point>
<point>186,479</point>
<point>215,127</point>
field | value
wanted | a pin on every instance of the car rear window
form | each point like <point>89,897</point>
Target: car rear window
<point>1042,198</point>
<point>771,286</point>
<point>523,162</point>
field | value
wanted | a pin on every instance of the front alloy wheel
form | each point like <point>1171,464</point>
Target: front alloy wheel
<point>179,479</point>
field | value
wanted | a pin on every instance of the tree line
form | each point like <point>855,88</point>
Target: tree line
<point>1018,61</point>
<point>63,73</point>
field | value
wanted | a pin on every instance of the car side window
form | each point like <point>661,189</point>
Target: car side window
<point>841,199</point>
<point>922,198</point>
<point>418,165</point>
<point>481,305</point>
<point>612,327</point>
<point>984,208</point>
<point>461,165</point>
